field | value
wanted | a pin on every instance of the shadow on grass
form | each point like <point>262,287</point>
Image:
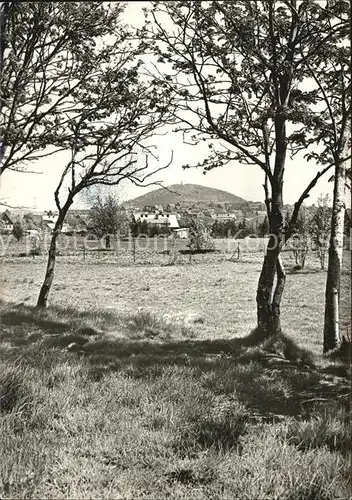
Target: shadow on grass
<point>20,318</point>
<point>345,271</point>
<point>304,271</point>
<point>274,377</point>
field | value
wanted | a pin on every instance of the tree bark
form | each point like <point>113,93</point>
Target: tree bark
<point>279,289</point>
<point>332,336</point>
<point>269,293</point>
<point>268,298</point>
<point>4,12</point>
<point>265,291</point>
<point>49,274</point>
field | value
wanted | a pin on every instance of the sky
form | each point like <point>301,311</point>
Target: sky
<point>36,190</point>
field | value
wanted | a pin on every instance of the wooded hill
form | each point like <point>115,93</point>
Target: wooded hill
<point>185,193</point>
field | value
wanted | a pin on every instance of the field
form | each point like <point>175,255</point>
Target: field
<point>143,381</point>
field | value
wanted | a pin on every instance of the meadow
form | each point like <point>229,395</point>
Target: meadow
<point>143,380</point>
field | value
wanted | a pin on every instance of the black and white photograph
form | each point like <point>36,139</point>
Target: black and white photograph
<point>175,250</point>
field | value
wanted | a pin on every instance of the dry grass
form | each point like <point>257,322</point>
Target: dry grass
<point>143,383</point>
<point>219,298</point>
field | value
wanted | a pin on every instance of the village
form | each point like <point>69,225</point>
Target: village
<point>171,218</point>
<point>175,250</point>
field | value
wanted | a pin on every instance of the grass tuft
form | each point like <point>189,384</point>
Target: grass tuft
<point>209,421</point>
<point>150,325</point>
<point>13,390</point>
<point>327,426</point>
<point>145,410</point>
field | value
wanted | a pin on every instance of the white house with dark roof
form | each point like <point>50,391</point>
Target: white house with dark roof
<point>48,222</point>
<point>6,222</point>
<point>158,218</point>
<point>221,216</point>
<point>181,233</point>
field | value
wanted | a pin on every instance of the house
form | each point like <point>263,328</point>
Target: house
<point>261,214</point>
<point>48,221</point>
<point>159,219</point>
<point>6,222</point>
<point>256,205</point>
<point>223,216</point>
<point>48,227</point>
<point>153,208</point>
<point>49,217</point>
<point>181,233</point>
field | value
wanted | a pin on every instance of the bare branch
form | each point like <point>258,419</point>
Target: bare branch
<point>306,195</point>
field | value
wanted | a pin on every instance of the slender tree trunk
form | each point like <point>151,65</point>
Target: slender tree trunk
<point>265,291</point>
<point>269,292</point>
<point>49,274</point>
<point>332,336</point>
<point>4,12</point>
<point>279,289</point>
<point>268,296</point>
<point>134,248</point>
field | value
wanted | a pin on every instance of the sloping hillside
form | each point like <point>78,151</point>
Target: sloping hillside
<point>192,193</point>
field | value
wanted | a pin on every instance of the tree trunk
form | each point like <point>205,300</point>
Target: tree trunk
<point>4,11</point>
<point>268,298</point>
<point>265,291</point>
<point>332,336</point>
<point>49,274</point>
<point>268,295</point>
<point>279,289</point>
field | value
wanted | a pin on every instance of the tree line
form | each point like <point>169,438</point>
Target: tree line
<point>108,218</point>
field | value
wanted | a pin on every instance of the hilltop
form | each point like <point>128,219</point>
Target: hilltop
<point>192,193</point>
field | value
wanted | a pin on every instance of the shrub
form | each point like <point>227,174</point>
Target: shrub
<point>320,228</point>
<point>199,237</point>
<point>35,251</point>
<point>17,230</point>
<point>300,240</point>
